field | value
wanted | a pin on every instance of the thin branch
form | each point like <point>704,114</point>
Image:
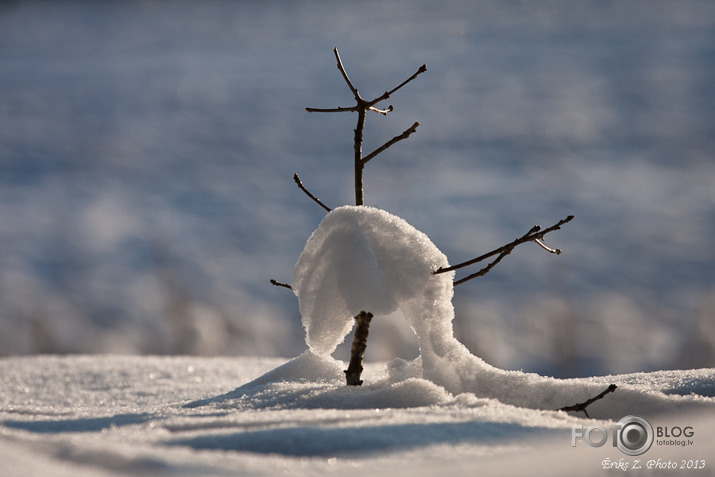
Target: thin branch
<point>307,192</point>
<point>534,234</point>
<point>502,249</point>
<point>362,107</point>
<point>387,94</point>
<point>392,141</point>
<point>381,111</point>
<point>345,76</point>
<point>506,251</point>
<point>484,270</point>
<point>339,109</point>
<point>279,284</point>
<point>583,405</point>
<point>555,251</point>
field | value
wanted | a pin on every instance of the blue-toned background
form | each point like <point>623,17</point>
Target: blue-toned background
<point>147,152</point>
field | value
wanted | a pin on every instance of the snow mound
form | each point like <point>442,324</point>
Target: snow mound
<point>363,258</point>
<point>104,416</point>
<point>312,381</point>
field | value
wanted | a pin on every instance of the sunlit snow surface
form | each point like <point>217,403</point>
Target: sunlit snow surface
<point>114,415</point>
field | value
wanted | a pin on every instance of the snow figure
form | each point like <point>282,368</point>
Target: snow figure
<point>363,258</point>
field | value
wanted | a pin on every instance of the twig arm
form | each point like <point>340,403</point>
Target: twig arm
<point>532,235</point>
<point>339,109</point>
<point>307,192</point>
<point>279,284</point>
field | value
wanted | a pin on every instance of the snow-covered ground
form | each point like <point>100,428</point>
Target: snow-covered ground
<point>126,415</point>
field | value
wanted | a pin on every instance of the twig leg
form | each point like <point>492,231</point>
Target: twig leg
<point>362,328</point>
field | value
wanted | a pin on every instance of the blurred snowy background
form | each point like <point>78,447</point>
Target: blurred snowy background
<point>147,150</point>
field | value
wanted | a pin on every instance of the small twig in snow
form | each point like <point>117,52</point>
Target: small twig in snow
<point>583,405</point>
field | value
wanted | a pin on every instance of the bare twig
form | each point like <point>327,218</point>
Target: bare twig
<point>555,251</point>
<point>307,192</point>
<point>387,94</point>
<point>505,250</point>
<point>362,328</point>
<point>345,75</point>
<point>484,270</point>
<point>392,141</point>
<point>339,109</point>
<point>583,405</point>
<point>535,234</point>
<point>381,111</point>
<point>279,284</point>
<point>362,107</point>
<point>359,165</point>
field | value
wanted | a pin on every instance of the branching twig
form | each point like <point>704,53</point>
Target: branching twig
<point>533,235</point>
<point>362,107</point>
<point>484,270</point>
<point>583,405</point>
<point>307,192</point>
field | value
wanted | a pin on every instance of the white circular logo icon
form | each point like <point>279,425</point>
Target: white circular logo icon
<point>635,435</point>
